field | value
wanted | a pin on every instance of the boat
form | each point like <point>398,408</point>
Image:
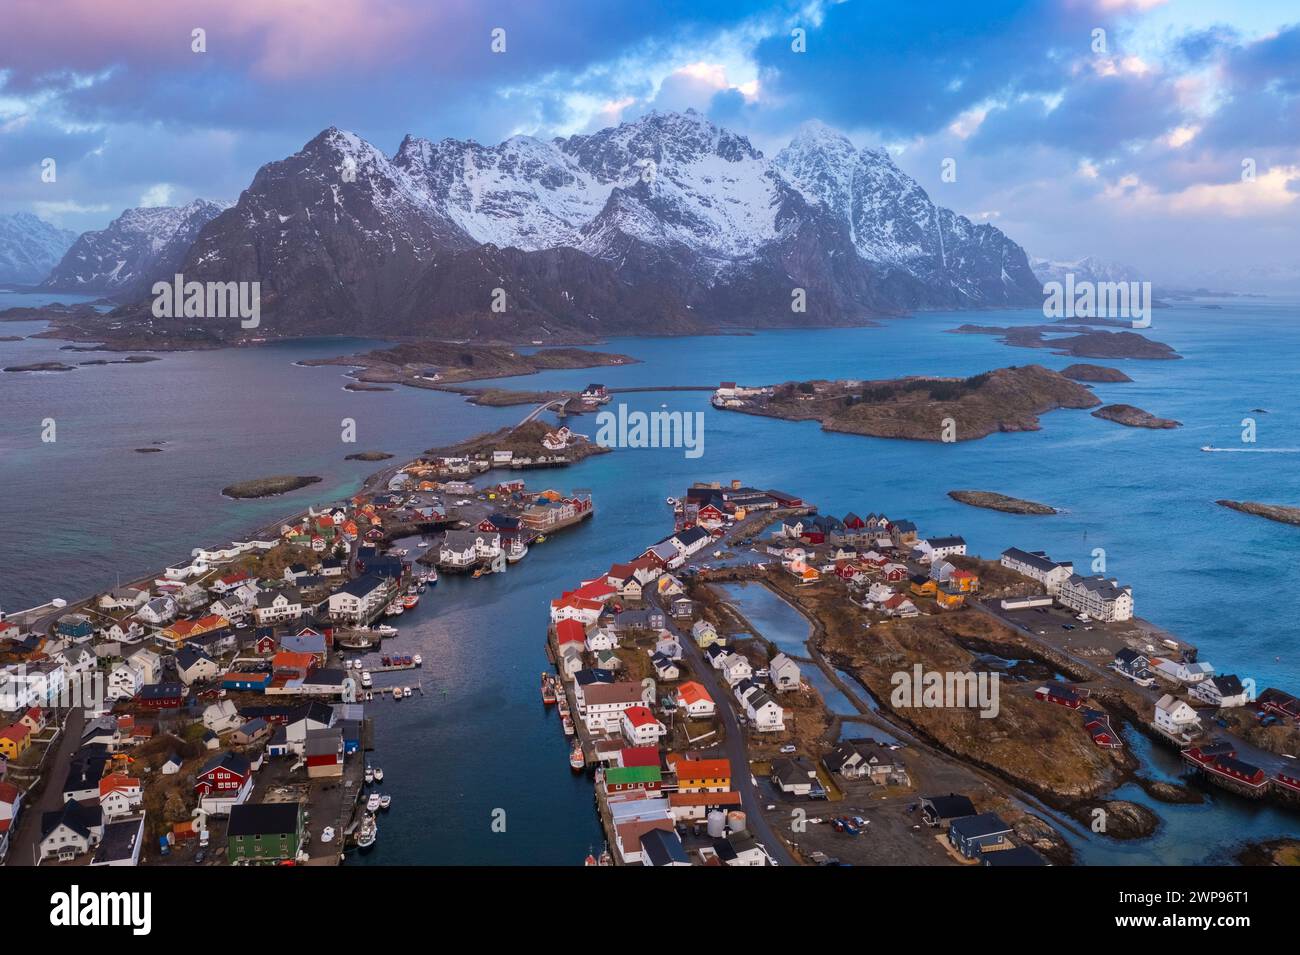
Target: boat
<point>379,774</point>
<point>421,589</point>
<point>431,577</point>
<point>422,543</point>
<point>418,660</point>
<point>407,691</point>
<point>394,609</point>
<point>577,761</point>
<point>355,641</point>
<point>540,539</point>
<point>568,727</point>
<point>358,664</point>
<point>384,630</point>
<point>370,775</point>
<point>548,688</point>
<point>327,834</point>
<point>1206,447</point>
<point>410,600</point>
<point>366,681</point>
<point>397,551</point>
<point>397,692</point>
<point>385,801</point>
<point>368,832</point>
<point>516,554</point>
<point>670,501</point>
<point>372,804</point>
<point>479,572</point>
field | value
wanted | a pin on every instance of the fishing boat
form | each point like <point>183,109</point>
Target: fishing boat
<point>355,641</point>
<point>379,774</point>
<point>431,577</point>
<point>394,609</point>
<point>368,833</point>
<point>516,553</point>
<point>372,804</point>
<point>370,775</point>
<point>410,600</point>
<point>577,762</point>
<point>366,681</point>
<point>548,688</point>
<point>385,801</point>
<point>568,727</point>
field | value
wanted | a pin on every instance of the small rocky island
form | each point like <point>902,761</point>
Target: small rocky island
<point>268,486</point>
<point>1096,373</point>
<point>368,456</point>
<point>1134,417</point>
<point>42,366</point>
<point>925,409</point>
<point>1273,512</point>
<point>1077,341</point>
<point>1000,502</point>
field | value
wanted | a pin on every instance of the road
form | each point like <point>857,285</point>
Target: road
<point>28,833</point>
<point>735,745</point>
<point>539,409</point>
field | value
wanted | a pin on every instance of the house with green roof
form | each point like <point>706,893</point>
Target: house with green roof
<point>627,778</point>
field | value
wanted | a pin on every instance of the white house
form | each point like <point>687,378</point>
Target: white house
<point>783,673</point>
<point>1175,716</point>
<point>1179,671</point>
<point>119,795</point>
<point>222,717</point>
<point>695,700</point>
<point>357,600</point>
<point>602,638</point>
<point>934,548</point>
<point>1101,599</point>
<point>640,727</point>
<point>148,663</point>
<point>124,681</point>
<point>1224,691</point>
<point>765,715</point>
<point>735,668</point>
<point>277,606</point>
<point>124,598</point>
<point>1036,565</point>
<point>158,611</point>
<point>75,830</point>
<point>601,705</point>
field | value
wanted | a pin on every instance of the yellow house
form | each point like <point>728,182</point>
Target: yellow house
<point>924,588</point>
<point>949,599</point>
<point>15,740</point>
<point>964,581</point>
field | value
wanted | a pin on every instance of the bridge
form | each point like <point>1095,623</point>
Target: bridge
<point>556,403</point>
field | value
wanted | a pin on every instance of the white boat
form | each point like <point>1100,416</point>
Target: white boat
<point>422,543</point>
<point>406,691</point>
<point>327,834</point>
<point>384,630</point>
<point>385,801</point>
<point>370,775</point>
<point>1206,447</point>
<point>366,682</point>
<point>379,774</point>
<point>372,804</point>
<point>397,692</point>
<point>418,660</point>
<point>368,832</point>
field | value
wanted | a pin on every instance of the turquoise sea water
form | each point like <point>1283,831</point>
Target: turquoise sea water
<point>86,508</point>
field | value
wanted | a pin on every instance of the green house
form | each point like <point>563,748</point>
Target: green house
<point>264,832</point>
<point>619,778</point>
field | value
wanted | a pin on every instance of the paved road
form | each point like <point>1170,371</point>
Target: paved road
<point>735,745</point>
<point>28,834</point>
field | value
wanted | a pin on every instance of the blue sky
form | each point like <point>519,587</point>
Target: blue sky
<point>1132,150</point>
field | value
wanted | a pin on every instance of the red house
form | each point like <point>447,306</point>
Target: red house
<point>639,756</point>
<point>160,696</point>
<point>853,522</point>
<point>1099,728</point>
<point>223,773</point>
<point>570,631</point>
<point>1060,695</point>
<point>1289,779</point>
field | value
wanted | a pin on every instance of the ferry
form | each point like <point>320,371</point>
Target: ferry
<point>577,762</point>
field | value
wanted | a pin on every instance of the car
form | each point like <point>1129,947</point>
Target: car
<point>789,748</point>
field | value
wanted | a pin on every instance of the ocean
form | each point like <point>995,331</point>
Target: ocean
<point>86,510</point>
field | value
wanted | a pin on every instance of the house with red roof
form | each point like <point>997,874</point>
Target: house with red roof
<point>119,795</point>
<point>695,699</point>
<point>572,607</point>
<point>641,727</point>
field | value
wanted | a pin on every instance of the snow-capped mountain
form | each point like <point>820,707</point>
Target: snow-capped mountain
<point>668,223</point>
<point>30,247</point>
<point>140,246</point>
<point>1089,268</point>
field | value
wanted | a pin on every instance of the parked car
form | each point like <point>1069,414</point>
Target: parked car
<point>789,748</point>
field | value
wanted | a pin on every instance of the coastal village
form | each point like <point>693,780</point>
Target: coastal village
<point>221,710</point>
<point>709,747</point>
